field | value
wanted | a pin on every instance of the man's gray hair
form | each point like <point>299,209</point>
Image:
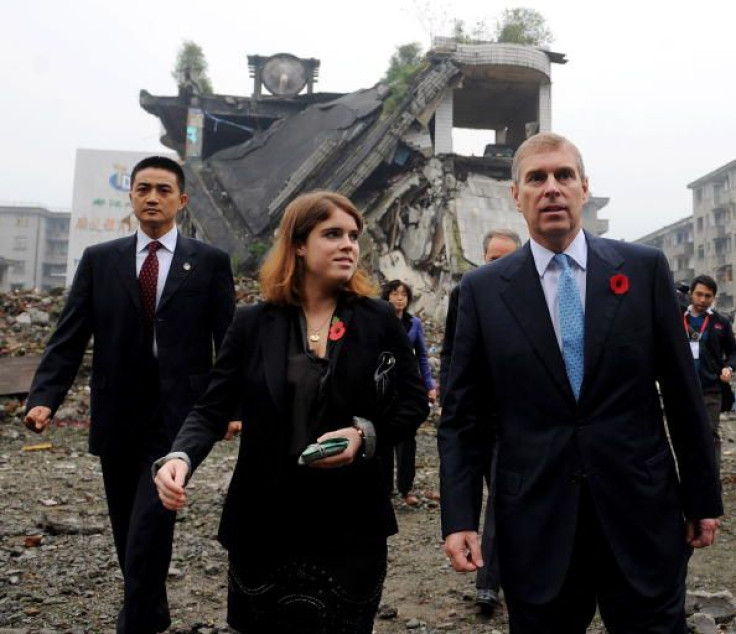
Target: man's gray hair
<point>500,233</point>
<point>544,142</point>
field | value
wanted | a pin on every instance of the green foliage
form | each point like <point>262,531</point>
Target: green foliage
<point>259,248</point>
<point>191,66</point>
<point>479,32</point>
<point>406,61</point>
<point>523,26</point>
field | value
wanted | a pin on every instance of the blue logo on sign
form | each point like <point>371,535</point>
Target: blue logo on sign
<point>120,179</point>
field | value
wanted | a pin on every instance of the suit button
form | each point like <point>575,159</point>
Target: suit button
<point>577,478</point>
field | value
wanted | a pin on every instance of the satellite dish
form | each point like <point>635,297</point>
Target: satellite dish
<point>284,75</point>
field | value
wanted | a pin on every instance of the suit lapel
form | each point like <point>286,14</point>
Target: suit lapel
<point>125,264</point>
<point>183,265</point>
<point>601,304</point>
<point>274,343</point>
<point>525,299</point>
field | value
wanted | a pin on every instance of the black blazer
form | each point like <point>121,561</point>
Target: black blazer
<point>195,310</point>
<point>448,340</point>
<point>506,360</point>
<point>250,372</point>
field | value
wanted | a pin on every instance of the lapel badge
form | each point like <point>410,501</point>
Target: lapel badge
<point>186,266</point>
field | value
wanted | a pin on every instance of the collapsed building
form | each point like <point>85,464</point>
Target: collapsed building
<point>388,148</point>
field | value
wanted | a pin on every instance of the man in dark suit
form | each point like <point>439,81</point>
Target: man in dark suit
<point>714,350</point>
<point>496,244</point>
<point>156,303</point>
<point>565,341</point>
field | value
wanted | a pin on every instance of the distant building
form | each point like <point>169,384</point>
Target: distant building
<point>33,245</point>
<point>704,242</point>
<point>678,244</point>
<point>714,217</point>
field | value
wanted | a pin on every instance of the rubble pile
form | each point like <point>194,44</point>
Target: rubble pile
<point>26,321</point>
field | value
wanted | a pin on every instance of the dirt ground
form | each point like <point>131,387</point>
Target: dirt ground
<point>67,580</point>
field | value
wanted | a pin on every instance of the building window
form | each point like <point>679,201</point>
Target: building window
<point>699,195</point>
<point>699,224</point>
<point>20,243</point>
<point>19,267</point>
<point>724,274</point>
<point>718,189</point>
<point>21,221</point>
<point>701,251</point>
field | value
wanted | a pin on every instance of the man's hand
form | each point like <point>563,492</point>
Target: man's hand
<point>701,533</point>
<point>726,374</point>
<point>463,549</point>
<point>170,481</point>
<point>432,395</point>
<point>234,427</point>
<point>38,418</point>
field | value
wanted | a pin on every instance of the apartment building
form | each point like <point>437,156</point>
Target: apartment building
<point>714,221</point>
<point>33,244</point>
<point>678,244</point>
<point>704,243</point>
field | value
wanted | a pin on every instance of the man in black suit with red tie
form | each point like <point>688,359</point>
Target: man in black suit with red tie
<point>158,305</point>
<point>565,341</point>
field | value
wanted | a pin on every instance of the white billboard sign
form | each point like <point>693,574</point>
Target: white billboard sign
<point>100,205</point>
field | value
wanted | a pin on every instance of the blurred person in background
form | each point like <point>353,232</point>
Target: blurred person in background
<point>399,295</point>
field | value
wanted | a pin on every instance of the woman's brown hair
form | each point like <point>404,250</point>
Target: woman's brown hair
<point>281,272</point>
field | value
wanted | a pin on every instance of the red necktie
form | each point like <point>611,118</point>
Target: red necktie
<point>148,280</point>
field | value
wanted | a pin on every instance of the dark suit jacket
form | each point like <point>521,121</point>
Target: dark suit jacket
<point>352,502</point>
<point>195,310</point>
<point>507,360</point>
<point>448,340</point>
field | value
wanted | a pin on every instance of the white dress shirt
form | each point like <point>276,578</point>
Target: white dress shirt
<point>164,255</point>
<point>549,274</point>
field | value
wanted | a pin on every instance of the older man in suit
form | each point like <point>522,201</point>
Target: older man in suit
<point>158,305</point>
<point>565,340</point>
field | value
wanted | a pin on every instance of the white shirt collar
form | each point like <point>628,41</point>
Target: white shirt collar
<point>168,240</point>
<point>577,250</point>
<point>708,311</point>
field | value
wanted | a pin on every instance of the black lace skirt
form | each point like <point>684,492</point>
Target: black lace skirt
<point>335,592</point>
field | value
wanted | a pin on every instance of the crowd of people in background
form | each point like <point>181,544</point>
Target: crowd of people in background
<point>555,357</point>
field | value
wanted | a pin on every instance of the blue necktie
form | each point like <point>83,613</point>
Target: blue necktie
<point>572,324</point>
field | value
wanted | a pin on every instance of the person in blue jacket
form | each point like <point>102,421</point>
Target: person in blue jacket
<point>400,296</point>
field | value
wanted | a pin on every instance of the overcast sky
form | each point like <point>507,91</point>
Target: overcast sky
<point>648,94</point>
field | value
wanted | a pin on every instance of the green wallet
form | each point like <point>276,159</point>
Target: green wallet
<point>319,450</point>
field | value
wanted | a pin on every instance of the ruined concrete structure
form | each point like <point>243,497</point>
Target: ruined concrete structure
<point>427,208</point>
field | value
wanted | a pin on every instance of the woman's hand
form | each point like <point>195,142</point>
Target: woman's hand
<point>234,427</point>
<point>344,458</point>
<point>170,481</point>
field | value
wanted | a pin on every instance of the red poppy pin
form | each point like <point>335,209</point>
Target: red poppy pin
<point>619,284</point>
<point>337,329</point>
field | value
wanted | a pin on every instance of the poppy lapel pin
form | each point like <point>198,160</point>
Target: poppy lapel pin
<point>619,284</point>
